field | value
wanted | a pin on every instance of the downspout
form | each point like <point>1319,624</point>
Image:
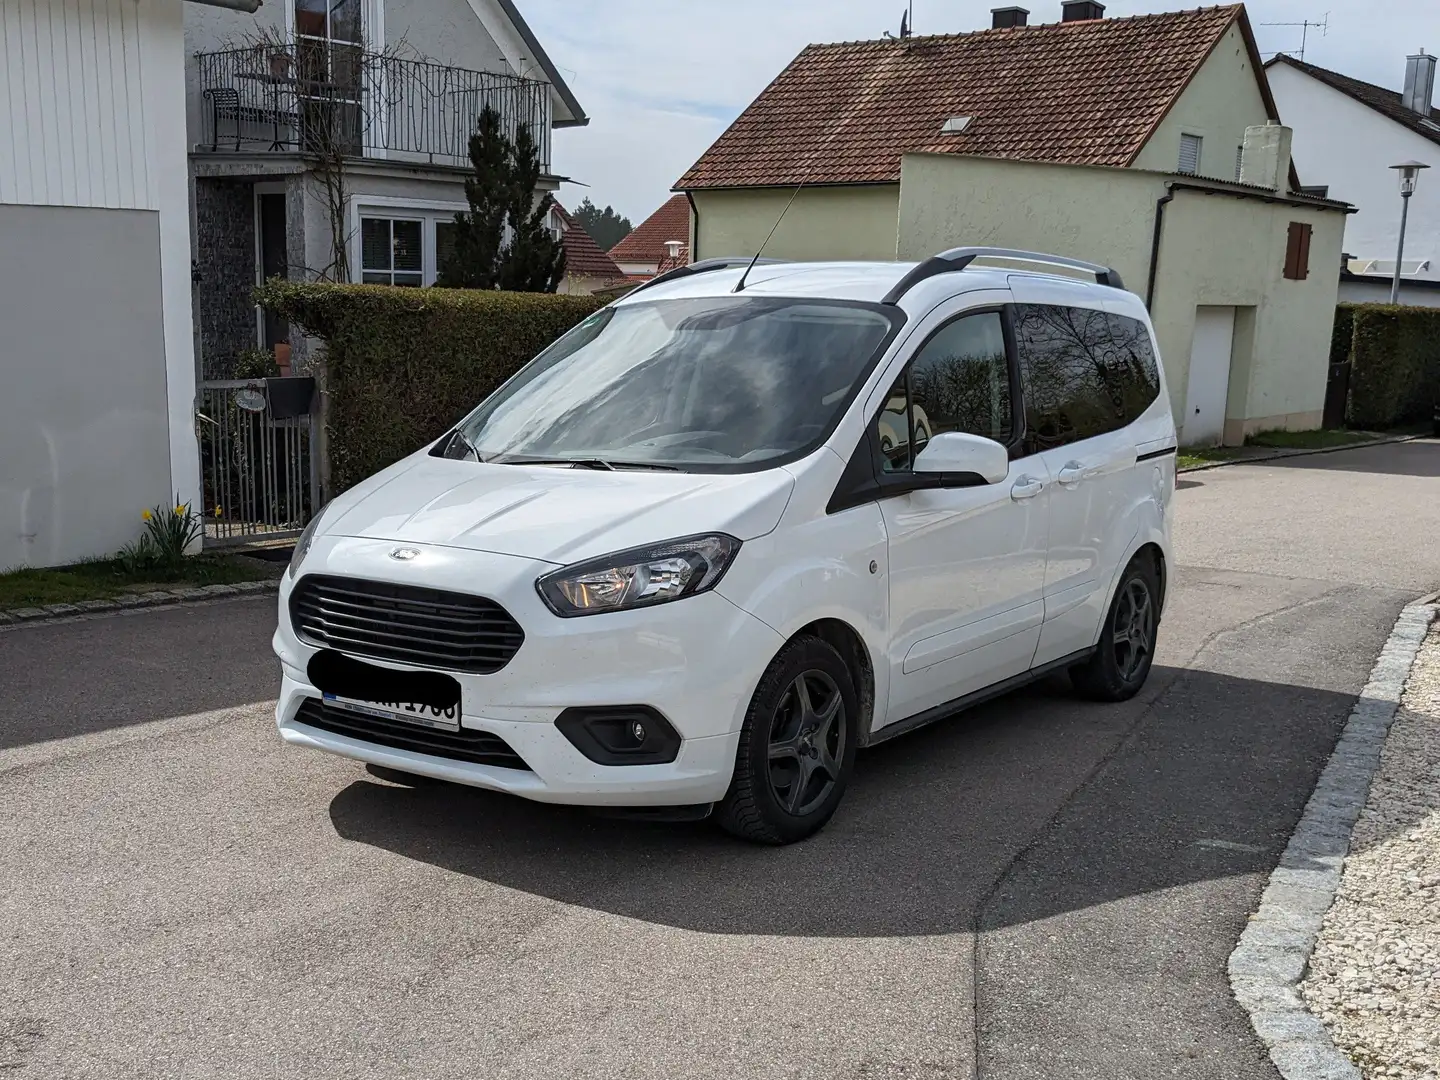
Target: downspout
<point>694,228</point>
<point>1164,200</point>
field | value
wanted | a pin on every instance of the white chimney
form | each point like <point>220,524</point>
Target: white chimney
<point>1265,158</point>
<point>1420,84</point>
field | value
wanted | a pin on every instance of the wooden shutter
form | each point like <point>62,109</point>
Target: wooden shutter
<point>1297,251</point>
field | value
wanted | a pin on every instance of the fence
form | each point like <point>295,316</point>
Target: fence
<point>258,456</point>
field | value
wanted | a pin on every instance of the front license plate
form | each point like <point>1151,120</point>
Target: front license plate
<point>403,712</point>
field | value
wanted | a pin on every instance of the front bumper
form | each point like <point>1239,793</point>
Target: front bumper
<point>697,661</point>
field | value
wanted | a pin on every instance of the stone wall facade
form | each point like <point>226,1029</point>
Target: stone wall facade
<point>224,272</point>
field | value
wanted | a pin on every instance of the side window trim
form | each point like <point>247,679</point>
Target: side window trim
<point>862,480</point>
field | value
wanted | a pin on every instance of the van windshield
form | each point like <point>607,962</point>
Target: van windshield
<point>712,384</point>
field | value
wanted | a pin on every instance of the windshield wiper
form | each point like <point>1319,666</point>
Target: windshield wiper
<point>598,464</point>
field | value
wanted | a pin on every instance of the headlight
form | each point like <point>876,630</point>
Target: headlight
<point>302,545</point>
<point>639,577</point>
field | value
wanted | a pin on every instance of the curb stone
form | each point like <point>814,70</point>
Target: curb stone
<point>1288,452</point>
<point>1273,954</point>
<point>51,612</point>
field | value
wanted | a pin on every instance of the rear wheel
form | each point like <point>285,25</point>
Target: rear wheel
<point>797,747</point>
<point>1122,661</point>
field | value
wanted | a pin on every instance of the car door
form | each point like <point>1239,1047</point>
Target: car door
<point>967,564</point>
<point>1075,419</point>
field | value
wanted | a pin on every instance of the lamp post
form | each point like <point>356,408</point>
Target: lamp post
<point>1409,175</point>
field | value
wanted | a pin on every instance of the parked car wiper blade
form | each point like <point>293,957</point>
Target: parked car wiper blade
<point>598,464</point>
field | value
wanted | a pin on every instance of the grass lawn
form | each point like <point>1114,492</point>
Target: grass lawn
<point>106,579</point>
<point>1190,458</point>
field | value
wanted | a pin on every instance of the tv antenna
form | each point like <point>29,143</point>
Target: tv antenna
<point>1306,26</point>
<point>907,23</point>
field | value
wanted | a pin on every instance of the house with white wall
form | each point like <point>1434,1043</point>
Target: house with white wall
<point>96,422</point>
<point>1347,135</point>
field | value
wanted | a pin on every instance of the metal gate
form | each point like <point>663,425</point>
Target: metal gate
<point>258,457</point>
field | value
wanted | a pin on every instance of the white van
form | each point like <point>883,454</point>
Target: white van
<point>689,560</point>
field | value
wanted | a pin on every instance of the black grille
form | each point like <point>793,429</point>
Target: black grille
<point>409,625</point>
<point>480,747</point>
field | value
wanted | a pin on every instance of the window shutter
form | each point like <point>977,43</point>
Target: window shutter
<point>1190,154</point>
<point>1239,162</point>
<point>1297,251</point>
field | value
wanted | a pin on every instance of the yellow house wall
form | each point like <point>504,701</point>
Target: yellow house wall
<point>1217,250</point>
<point>825,223</point>
<point>1219,104</point>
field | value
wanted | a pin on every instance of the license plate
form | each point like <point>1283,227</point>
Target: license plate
<point>404,712</point>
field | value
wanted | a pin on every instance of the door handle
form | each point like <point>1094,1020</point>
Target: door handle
<point>1074,473</point>
<point>1027,487</point>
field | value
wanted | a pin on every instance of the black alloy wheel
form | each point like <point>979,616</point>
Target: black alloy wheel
<point>1121,662</point>
<point>797,747</point>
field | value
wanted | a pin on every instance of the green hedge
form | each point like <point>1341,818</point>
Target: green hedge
<point>403,365</point>
<point>1395,363</point>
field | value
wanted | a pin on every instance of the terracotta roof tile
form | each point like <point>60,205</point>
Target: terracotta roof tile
<point>1386,102</point>
<point>1087,93</point>
<point>583,257</point>
<point>647,243</point>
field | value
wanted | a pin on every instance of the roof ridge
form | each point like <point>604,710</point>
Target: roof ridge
<point>906,42</point>
<point>1330,77</point>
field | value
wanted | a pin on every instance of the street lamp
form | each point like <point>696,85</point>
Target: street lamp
<point>1409,175</point>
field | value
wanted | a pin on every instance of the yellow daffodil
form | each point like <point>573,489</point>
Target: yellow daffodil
<point>179,511</point>
<point>217,511</point>
<point>145,515</point>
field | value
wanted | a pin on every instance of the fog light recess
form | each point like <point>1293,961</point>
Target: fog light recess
<point>621,734</point>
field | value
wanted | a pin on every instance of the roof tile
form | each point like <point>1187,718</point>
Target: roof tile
<point>583,257</point>
<point>646,244</point>
<point>1084,93</point>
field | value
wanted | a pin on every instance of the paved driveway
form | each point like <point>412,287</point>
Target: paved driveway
<point>1043,888</point>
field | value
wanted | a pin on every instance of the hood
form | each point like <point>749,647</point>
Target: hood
<point>554,514</point>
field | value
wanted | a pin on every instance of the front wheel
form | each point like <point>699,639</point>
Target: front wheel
<point>1122,661</point>
<point>797,747</point>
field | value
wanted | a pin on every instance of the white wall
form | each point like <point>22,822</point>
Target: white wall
<point>92,98</point>
<point>1349,146</point>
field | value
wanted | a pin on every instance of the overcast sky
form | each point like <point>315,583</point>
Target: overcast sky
<point>661,79</point>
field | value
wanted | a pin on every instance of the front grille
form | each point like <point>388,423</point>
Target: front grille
<point>403,623</point>
<point>480,747</point>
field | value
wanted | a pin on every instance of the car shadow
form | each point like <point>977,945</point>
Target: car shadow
<point>1033,805</point>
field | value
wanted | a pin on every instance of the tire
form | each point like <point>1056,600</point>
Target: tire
<point>797,750</point>
<point>1122,660</point>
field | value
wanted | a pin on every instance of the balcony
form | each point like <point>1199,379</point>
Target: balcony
<point>327,98</point>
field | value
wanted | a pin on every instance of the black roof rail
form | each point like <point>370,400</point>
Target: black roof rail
<point>957,259</point>
<point>728,262</point>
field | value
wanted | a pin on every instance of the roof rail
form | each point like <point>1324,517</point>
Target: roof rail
<point>728,262</point>
<point>956,259</point>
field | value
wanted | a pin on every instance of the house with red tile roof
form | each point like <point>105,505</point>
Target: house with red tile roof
<point>1167,92</point>
<point>661,242</point>
<point>1149,144</point>
<point>588,269</point>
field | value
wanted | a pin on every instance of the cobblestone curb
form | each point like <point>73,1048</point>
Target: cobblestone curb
<point>1270,961</point>
<point>19,616</point>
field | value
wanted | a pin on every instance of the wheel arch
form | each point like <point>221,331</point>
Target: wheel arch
<point>846,640</point>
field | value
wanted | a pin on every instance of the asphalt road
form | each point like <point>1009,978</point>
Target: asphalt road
<point>1043,888</point>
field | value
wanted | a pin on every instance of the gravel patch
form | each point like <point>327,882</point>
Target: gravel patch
<point>1374,977</point>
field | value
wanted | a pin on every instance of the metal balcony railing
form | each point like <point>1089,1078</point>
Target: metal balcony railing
<point>321,97</point>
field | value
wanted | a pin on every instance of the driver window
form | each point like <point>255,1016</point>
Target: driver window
<point>958,381</point>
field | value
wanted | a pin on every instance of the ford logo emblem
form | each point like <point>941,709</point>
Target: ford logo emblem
<point>404,554</point>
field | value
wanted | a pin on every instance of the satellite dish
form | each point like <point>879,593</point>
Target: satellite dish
<point>251,400</point>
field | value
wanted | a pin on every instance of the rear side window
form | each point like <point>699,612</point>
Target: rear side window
<point>1083,373</point>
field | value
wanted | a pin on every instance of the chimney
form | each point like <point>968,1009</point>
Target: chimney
<point>1420,84</point>
<point>1265,157</point>
<point>1080,10</point>
<point>1003,18</point>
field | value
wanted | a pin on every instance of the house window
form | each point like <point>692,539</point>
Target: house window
<point>1190,154</point>
<point>329,51</point>
<point>1239,161</point>
<point>392,252</point>
<point>1297,252</point>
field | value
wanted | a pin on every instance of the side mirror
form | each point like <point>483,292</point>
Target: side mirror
<point>954,452</point>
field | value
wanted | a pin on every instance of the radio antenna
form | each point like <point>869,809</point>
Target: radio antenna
<point>740,285</point>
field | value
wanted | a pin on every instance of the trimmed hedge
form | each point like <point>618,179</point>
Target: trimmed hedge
<point>403,365</point>
<point>1394,357</point>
